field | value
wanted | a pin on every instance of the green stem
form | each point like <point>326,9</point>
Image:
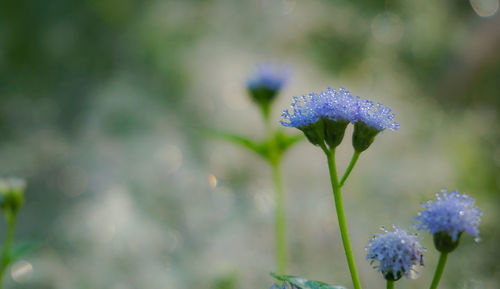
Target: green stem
<point>354,159</point>
<point>330,154</point>
<point>281,256</point>
<point>439,270</point>
<point>9,239</point>
<point>279,198</point>
<point>390,284</point>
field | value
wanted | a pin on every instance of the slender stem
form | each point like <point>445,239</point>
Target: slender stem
<point>9,239</point>
<point>340,214</point>
<point>281,256</point>
<point>280,218</point>
<point>390,284</point>
<point>354,159</point>
<point>439,270</point>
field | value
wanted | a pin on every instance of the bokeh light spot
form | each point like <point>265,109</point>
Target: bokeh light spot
<point>21,271</point>
<point>212,181</point>
<point>485,8</point>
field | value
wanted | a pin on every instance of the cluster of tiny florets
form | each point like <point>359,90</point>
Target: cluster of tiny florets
<point>396,252</point>
<point>331,104</point>
<point>285,285</point>
<point>451,213</point>
<point>268,76</point>
<point>337,105</point>
<point>377,116</point>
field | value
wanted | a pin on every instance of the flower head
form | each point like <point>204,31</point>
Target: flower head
<point>330,104</point>
<point>398,253</point>
<point>269,77</point>
<point>324,116</point>
<point>12,194</point>
<point>265,84</point>
<point>370,120</point>
<point>285,285</point>
<point>452,213</point>
<point>378,116</point>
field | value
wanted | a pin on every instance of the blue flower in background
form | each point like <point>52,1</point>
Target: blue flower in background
<point>265,84</point>
<point>398,253</point>
<point>452,213</point>
<point>268,77</point>
<point>377,116</point>
<point>285,285</point>
<point>330,104</point>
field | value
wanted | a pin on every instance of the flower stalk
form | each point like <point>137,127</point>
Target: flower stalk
<point>352,163</point>
<point>337,195</point>
<point>7,247</point>
<point>279,199</point>
<point>439,270</point>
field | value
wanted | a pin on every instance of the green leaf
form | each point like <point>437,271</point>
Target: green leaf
<point>302,283</point>
<point>22,248</point>
<point>285,141</point>
<point>261,149</point>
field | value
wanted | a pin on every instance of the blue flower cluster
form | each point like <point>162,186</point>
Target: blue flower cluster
<point>452,213</point>
<point>338,105</point>
<point>285,285</point>
<point>398,253</point>
<point>268,77</point>
<point>378,116</point>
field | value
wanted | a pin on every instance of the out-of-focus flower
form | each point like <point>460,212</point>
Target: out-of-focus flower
<point>397,253</point>
<point>285,285</point>
<point>266,83</point>
<point>12,193</point>
<point>448,217</point>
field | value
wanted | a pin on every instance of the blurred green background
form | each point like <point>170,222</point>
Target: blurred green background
<point>102,102</point>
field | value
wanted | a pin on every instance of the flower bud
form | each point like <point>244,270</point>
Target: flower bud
<point>444,242</point>
<point>12,192</point>
<point>363,136</point>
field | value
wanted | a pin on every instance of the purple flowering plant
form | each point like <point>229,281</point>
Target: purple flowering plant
<point>323,118</point>
<point>263,86</point>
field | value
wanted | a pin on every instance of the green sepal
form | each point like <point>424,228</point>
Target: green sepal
<point>302,283</point>
<point>444,242</point>
<point>12,200</point>
<point>334,131</point>
<point>284,142</point>
<point>314,132</point>
<point>390,276</point>
<point>363,136</point>
<point>263,95</point>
